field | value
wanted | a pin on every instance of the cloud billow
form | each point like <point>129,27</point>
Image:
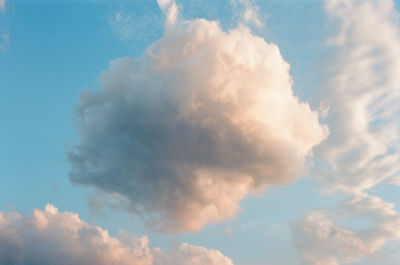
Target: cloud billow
<point>52,237</point>
<point>201,120</point>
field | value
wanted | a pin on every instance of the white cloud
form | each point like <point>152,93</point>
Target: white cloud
<point>187,254</point>
<point>363,96</point>
<point>199,122</point>
<point>170,9</point>
<point>51,237</point>
<point>250,16</point>
<point>363,147</point>
<point>321,242</point>
<point>248,12</point>
<point>165,4</point>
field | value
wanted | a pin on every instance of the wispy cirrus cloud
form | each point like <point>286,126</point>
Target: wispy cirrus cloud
<point>132,22</point>
<point>362,150</point>
<point>122,24</point>
<point>248,13</point>
<point>4,41</point>
<point>322,241</point>
<point>362,92</point>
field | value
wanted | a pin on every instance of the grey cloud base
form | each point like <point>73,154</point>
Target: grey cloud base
<point>200,121</point>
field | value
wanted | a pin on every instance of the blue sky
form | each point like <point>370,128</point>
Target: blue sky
<point>56,49</point>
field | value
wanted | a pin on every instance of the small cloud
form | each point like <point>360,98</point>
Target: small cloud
<point>248,12</point>
<point>2,5</point>
<point>228,231</point>
<point>250,15</point>
<point>121,24</point>
<point>4,41</point>
<point>323,109</point>
<point>165,4</point>
<point>129,24</point>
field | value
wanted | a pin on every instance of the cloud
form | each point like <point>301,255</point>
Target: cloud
<point>165,4</point>
<point>385,220</point>
<point>4,40</point>
<point>61,238</point>
<point>249,13</point>
<point>170,9</point>
<point>228,231</point>
<point>363,92</point>
<point>362,150</point>
<point>187,254</point>
<point>320,241</point>
<point>130,24</point>
<point>2,5</point>
<point>64,239</point>
<point>200,121</point>
<point>122,25</point>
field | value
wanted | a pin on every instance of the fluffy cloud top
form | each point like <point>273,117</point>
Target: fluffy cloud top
<point>51,237</point>
<point>201,120</point>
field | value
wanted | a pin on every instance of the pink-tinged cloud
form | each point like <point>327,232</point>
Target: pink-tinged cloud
<point>2,5</point>
<point>203,119</point>
<point>187,254</point>
<point>51,237</point>
<point>322,242</point>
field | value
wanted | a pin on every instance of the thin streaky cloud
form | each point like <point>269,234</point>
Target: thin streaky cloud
<point>362,150</point>
<point>248,13</point>
<point>4,41</point>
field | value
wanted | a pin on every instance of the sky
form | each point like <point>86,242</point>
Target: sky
<point>189,132</point>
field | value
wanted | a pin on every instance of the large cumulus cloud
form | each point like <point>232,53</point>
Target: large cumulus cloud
<point>202,119</point>
<point>51,237</point>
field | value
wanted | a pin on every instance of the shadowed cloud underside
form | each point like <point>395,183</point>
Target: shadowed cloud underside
<point>200,121</point>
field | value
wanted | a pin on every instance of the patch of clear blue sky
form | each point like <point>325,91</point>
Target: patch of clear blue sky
<point>58,48</point>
